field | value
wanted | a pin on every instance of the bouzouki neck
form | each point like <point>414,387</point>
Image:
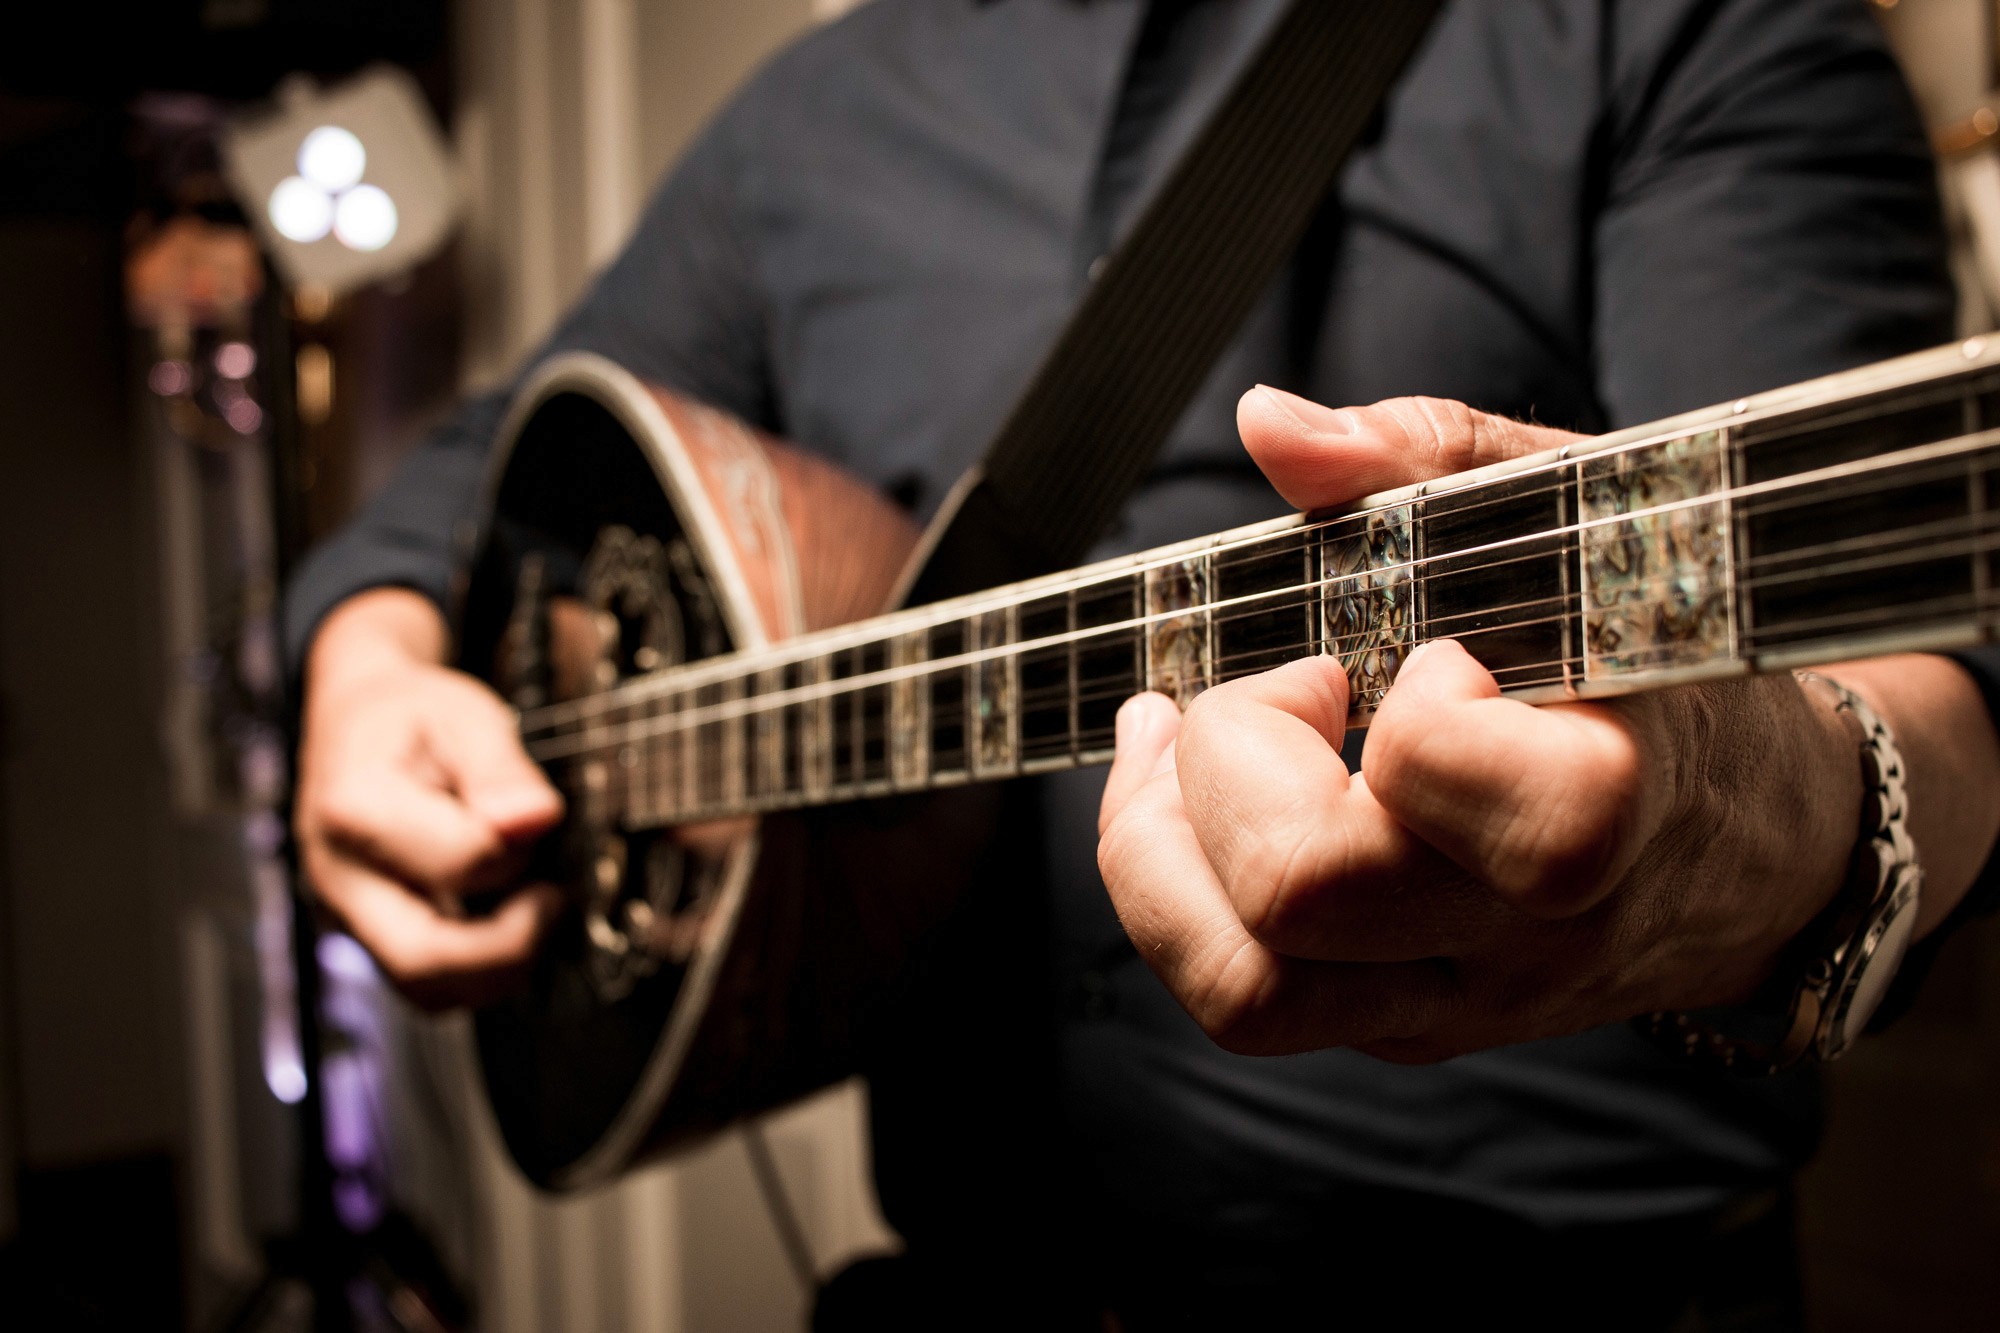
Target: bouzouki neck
<point>1843,518</point>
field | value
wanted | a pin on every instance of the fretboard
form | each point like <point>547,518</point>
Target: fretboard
<point>1843,518</point>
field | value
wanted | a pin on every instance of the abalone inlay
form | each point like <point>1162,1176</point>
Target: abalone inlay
<point>1178,656</point>
<point>769,726</point>
<point>995,692</point>
<point>909,711</point>
<point>735,727</point>
<point>1656,586</point>
<point>1368,613</point>
<point>816,726</point>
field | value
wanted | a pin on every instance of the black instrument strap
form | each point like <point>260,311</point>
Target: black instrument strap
<point>1174,294</point>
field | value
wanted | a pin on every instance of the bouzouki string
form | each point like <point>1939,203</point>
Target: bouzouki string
<point>1788,492</point>
<point>592,712</point>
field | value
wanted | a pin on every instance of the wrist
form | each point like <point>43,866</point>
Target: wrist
<point>381,632</point>
<point>1835,972</point>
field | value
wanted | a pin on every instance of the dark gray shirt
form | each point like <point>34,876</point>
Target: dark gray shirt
<point>1585,212</point>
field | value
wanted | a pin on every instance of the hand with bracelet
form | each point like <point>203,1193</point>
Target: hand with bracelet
<point>1496,872</point>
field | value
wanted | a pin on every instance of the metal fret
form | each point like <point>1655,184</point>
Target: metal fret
<point>1110,658</point>
<point>1796,599</point>
<point>871,711</point>
<point>1491,575</point>
<point>1047,696</point>
<point>949,693</point>
<point>1267,601</point>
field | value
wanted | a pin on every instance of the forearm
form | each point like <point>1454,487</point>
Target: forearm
<point>1946,733</point>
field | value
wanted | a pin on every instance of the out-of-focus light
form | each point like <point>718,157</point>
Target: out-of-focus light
<point>384,193</point>
<point>332,158</point>
<point>244,416</point>
<point>300,210</point>
<point>168,378</point>
<point>365,218</point>
<point>235,360</point>
<point>286,1078</point>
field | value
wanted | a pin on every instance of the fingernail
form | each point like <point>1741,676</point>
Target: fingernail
<point>1313,416</point>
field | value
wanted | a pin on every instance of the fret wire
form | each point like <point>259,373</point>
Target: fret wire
<point>818,695</point>
<point>1223,663</point>
<point>1524,676</point>
<point>707,713</point>
<point>1915,556</point>
<point>798,649</point>
<point>1960,448</point>
<point>1551,672</point>
<point>1552,669</point>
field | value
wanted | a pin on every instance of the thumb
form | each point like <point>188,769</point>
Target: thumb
<point>1147,727</point>
<point>1319,456</point>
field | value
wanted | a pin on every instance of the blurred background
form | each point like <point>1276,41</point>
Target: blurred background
<point>193,388</point>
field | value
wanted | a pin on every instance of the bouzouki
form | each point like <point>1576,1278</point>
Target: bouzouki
<point>673,603</point>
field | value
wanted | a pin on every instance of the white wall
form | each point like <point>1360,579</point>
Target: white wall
<point>570,110</point>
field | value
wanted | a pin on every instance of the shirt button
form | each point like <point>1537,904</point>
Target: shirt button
<point>1096,267</point>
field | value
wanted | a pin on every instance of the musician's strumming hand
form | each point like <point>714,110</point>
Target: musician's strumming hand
<point>1495,872</point>
<point>413,792</point>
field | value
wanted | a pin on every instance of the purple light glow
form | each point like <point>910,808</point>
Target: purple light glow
<point>235,360</point>
<point>244,416</point>
<point>168,378</point>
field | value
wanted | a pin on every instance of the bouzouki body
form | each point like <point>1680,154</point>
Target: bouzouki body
<point>707,972</point>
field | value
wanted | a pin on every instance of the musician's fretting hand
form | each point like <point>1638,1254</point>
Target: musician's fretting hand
<point>1495,872</point>
<point>414,791</point>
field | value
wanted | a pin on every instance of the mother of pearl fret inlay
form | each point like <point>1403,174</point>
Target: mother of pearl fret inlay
<point>1368,602</point>
<point>909,711</point>
<point>1658,588</point>
<point>1179,657</point>
<point>995,691</point>
<point>768,736</point>
<point>816,727</point>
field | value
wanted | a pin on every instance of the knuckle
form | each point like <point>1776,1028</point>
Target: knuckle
<point>1276,892</point>
<point>1230,1001</point>
<point>343,809</point>
<point>1114,844</point>
<point>1207,714</point>
<point>1395,757</point>
<point>406,962</point>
